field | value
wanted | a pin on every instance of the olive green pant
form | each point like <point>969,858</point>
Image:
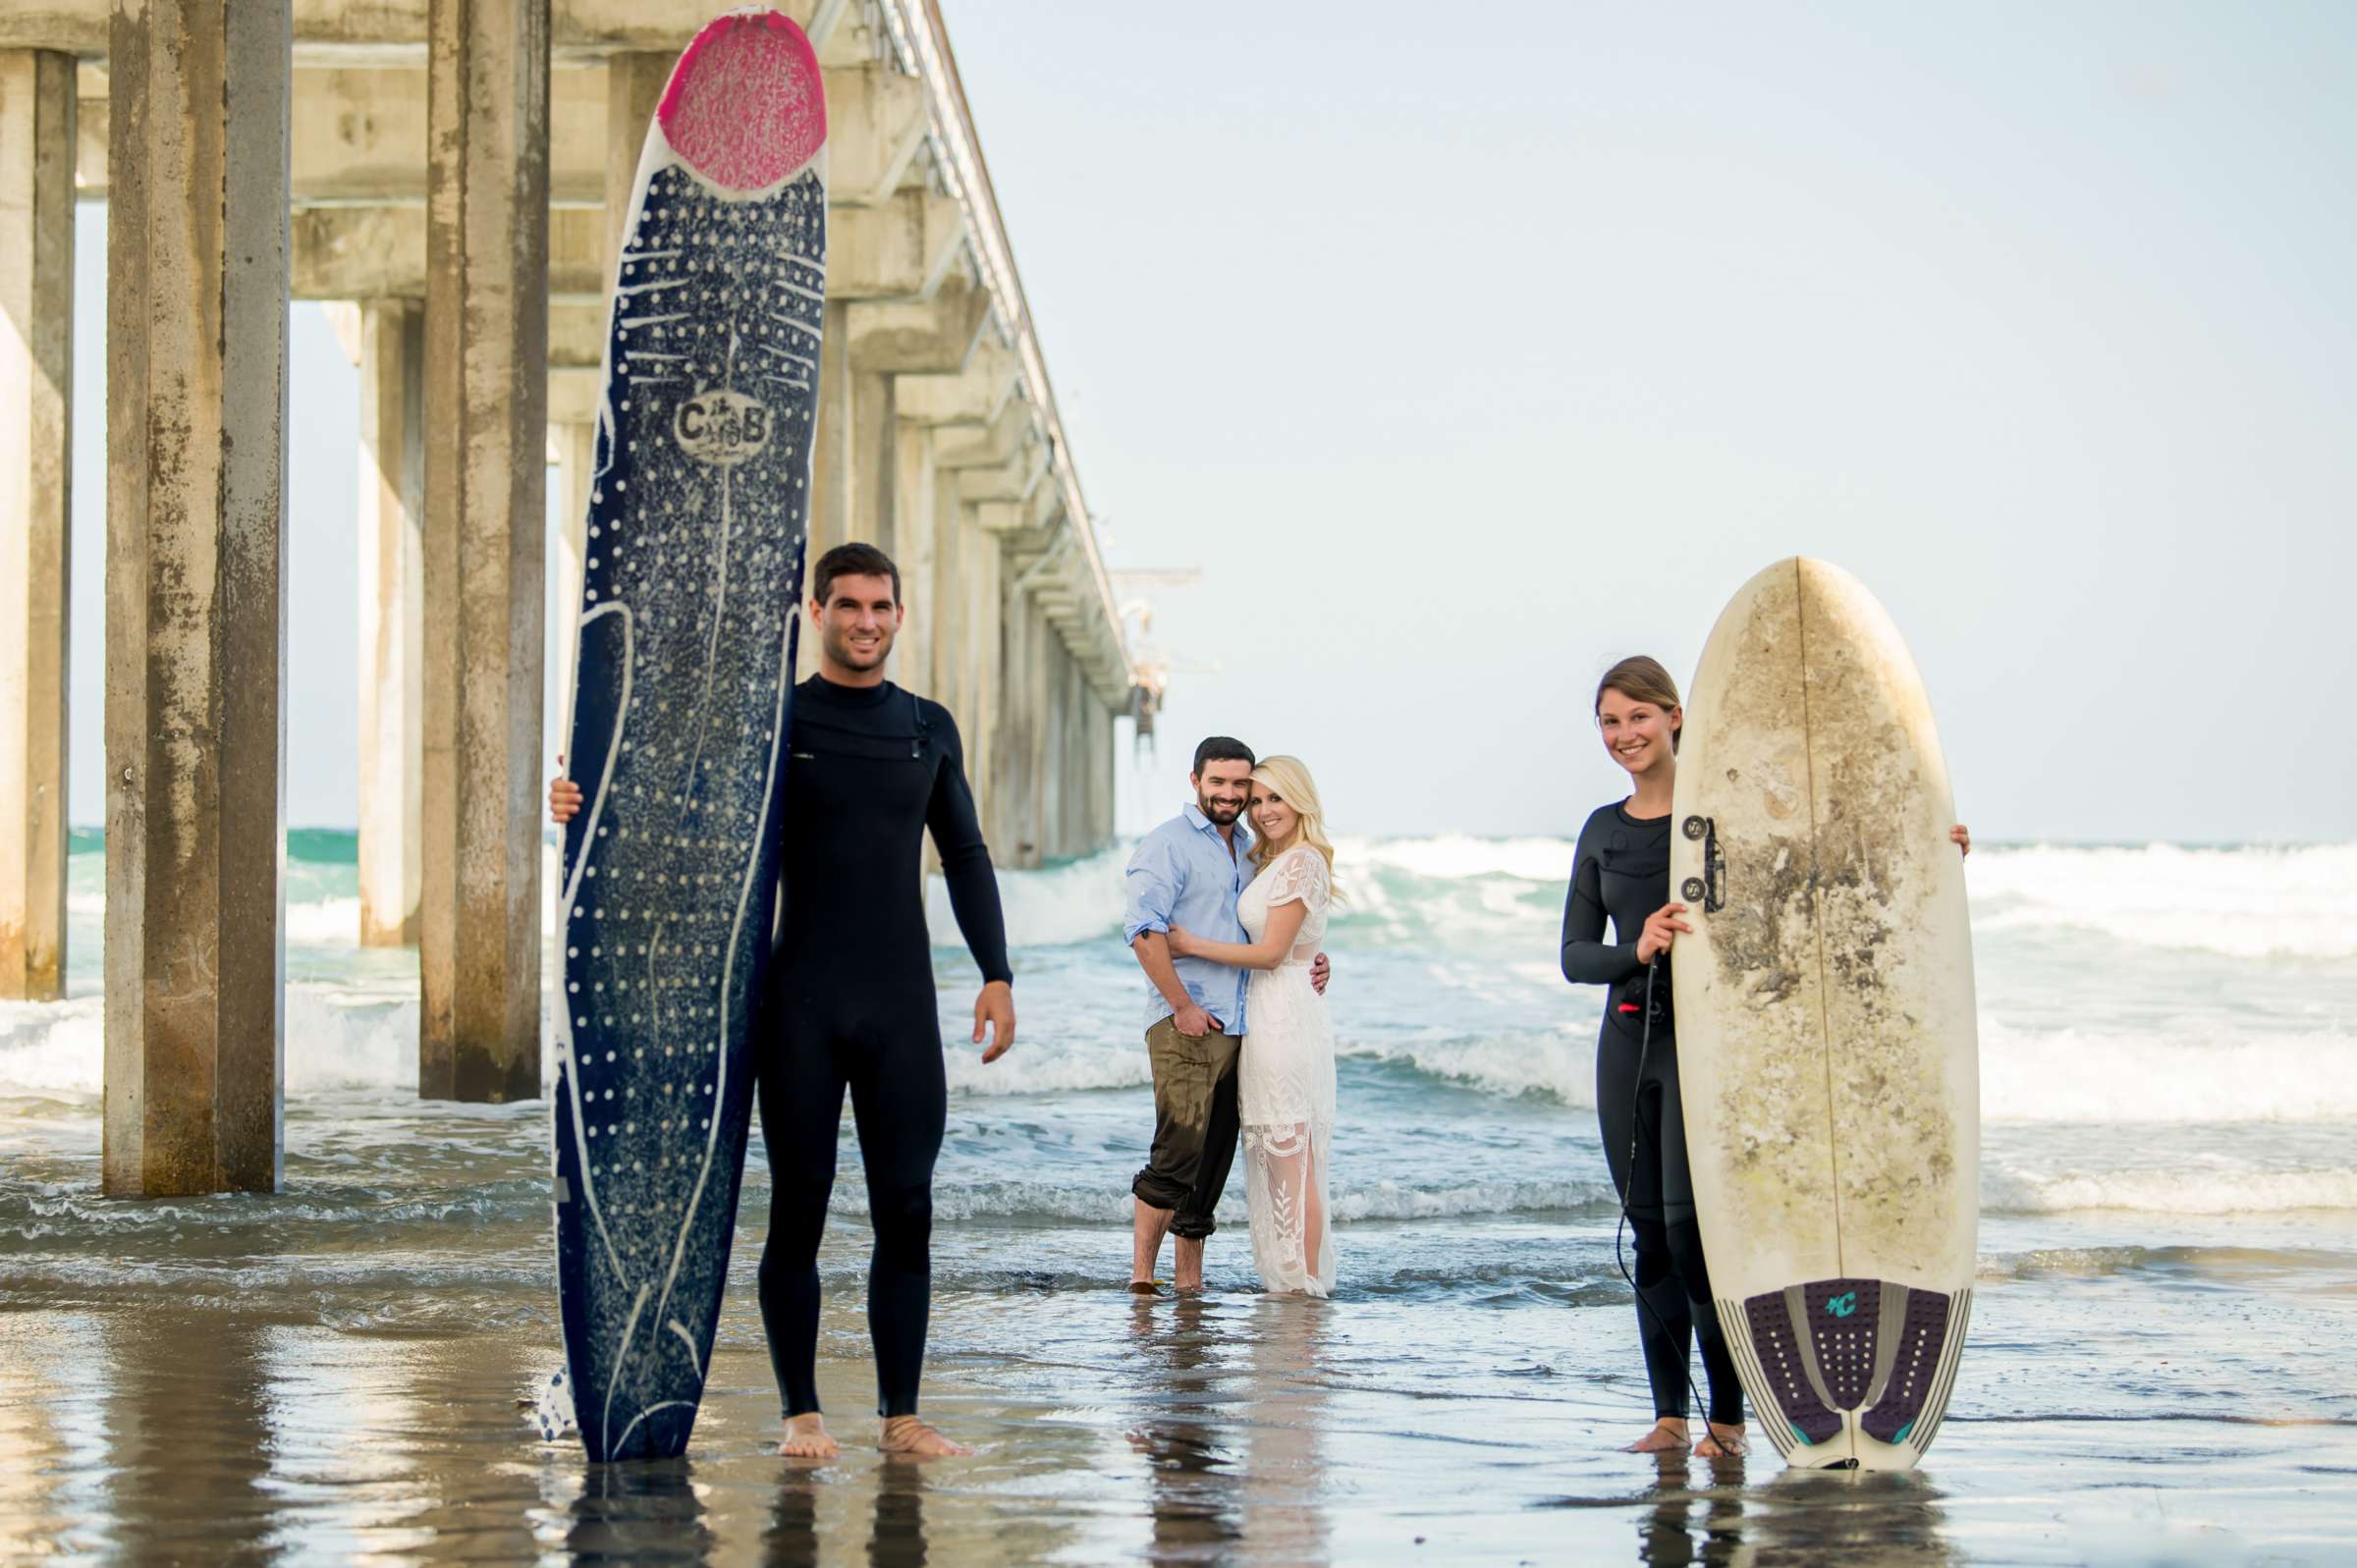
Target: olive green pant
<point>1194,1125</point>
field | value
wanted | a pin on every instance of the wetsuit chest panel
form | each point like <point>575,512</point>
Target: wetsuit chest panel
<point>861,777</point>
<point>864,770</point>
<point>1632,873</point>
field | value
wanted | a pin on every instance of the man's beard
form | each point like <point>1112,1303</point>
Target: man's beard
<point>1213,810</point>
<point>838,649</point>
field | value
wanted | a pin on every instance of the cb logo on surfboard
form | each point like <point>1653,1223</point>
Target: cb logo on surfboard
<point>722,428</point>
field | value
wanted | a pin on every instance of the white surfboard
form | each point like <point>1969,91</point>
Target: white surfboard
<point>1828,1051</point>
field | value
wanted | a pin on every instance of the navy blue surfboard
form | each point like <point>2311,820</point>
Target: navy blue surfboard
<point>689,614</point>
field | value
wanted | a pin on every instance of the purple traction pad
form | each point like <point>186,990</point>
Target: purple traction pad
<point>1844,1326</point>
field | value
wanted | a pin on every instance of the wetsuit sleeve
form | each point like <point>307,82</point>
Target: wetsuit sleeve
<point>964,857</point>
<point>1589,959</point>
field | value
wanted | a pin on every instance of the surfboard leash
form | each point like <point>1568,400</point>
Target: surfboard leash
<point>1636,1132</point>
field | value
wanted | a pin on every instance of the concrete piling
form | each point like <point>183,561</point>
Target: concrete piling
<point>486,391</point>
<point>36,429</point>
<point>391,336</point>
<point>197,395</point>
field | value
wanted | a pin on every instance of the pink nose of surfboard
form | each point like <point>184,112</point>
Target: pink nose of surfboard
<point>747,105</point>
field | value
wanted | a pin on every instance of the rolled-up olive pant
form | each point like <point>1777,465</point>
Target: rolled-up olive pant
<point>1194,1125</point>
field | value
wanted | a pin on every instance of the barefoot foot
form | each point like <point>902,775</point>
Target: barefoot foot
<point>905,1434</point>
<point>1722,1441</point>
<point>1667,1433</point>
<point>806,1438</point>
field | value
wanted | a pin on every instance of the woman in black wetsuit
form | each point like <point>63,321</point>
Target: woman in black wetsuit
<point>1623,869</point>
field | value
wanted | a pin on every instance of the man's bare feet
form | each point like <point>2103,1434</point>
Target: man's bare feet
<point>905,1434</point>
<point>1667,1433</point>
<point>1722,1441</point>
<point>806,1438</point>
<point>1148,1225</point>
<point>1187,1263</point>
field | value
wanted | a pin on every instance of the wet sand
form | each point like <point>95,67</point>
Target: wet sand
<point>236,1439</point>
<point>282,1380</point>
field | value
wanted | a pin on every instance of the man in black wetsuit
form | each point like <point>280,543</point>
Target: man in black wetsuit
<point>850,1001</point>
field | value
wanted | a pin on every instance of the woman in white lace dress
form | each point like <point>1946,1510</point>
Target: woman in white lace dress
<point>1285,1078</point>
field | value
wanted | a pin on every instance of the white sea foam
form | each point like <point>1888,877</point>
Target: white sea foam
<point>56,1047</point>
<point>1078,901</point>
<point>336,1037</point>
<point>1561,1064</point>
<point>2115,1076</point>
<point>1456,857</point>
<point>346,1038</point>
<point>2203,1190</point>
<point>336,1040</point>
<point>2246,904</point>
<point>1109,1201</point>
<point>324,922</point>
<point>1048,1066</point>
<point>2065,1075</point>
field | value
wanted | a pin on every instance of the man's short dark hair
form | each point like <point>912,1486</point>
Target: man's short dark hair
<point>1224,748</point>
<point>853,560</point>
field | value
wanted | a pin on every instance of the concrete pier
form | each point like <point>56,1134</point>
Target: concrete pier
<point>634,86</point>
<point>196,393</point>
<point>391,344</point>
<point>454,176</point>
<point>37,443</point>
<point>486,391</point>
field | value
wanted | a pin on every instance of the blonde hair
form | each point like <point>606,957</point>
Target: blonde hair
<point>1287,778</point>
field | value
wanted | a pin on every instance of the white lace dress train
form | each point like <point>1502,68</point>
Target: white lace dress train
<point>1285,1089</point>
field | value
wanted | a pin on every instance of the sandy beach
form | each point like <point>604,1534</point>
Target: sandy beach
<point>267,1379</point>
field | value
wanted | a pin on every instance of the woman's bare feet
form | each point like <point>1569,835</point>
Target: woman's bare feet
<point>1667,1433</point>
<point>1722,1441</point>
<point>905,1434</point>
<point>806,1438</point>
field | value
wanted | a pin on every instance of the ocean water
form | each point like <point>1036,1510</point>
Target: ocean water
<point>2165,1031</point>
<point>2169,1243</point>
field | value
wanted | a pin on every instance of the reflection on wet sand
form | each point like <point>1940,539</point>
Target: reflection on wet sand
<point>1696,1513</point>
<point>51,1481</point>
<point>328,1409</point>
<point>1234,1405</point>
<point>1685,1526</point>
<point>1877,1516</point>
<point>1285,1512</point>
<point>1193,1472</point>
<point>897,1539</point>
<point>378,1441</point>
<point>169,1496</point>
<point>650,1511</point>
<point>792,1538</point>
<point>900,1538</point>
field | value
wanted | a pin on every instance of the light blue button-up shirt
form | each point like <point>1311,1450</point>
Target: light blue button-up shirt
<point>1184,874</point>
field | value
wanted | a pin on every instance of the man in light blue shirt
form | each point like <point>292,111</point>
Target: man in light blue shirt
<point>1187,873</point>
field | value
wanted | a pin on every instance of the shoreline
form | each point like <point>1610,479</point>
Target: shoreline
<point>1228,1426</point>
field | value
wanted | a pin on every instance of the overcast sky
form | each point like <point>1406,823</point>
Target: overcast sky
<point>1464,362</point>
